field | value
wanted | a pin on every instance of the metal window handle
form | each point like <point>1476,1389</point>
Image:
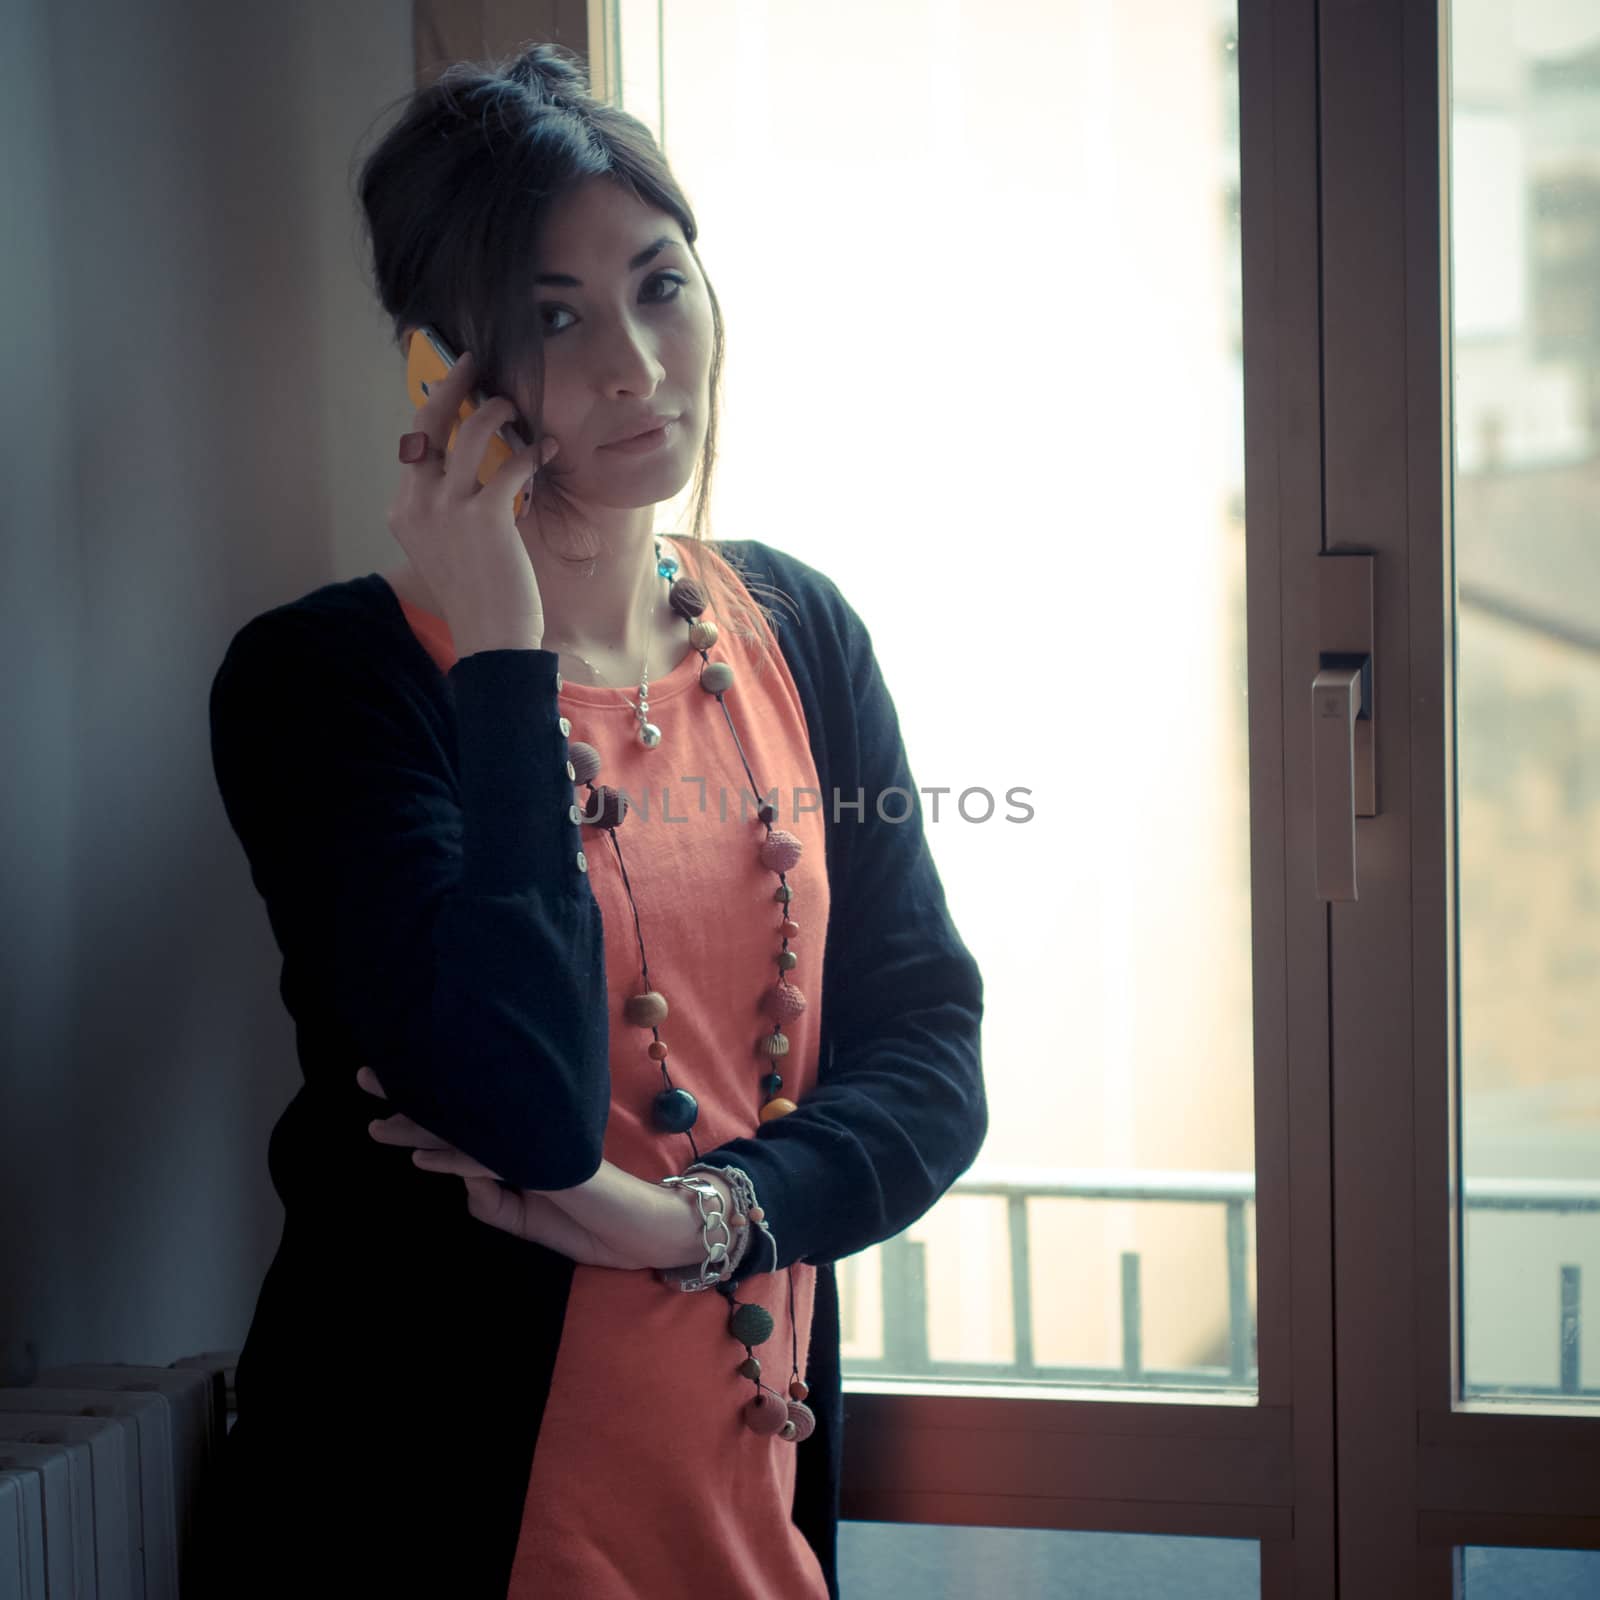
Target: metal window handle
<point>1343,759</point>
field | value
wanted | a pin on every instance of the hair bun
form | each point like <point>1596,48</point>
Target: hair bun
<point>553,68</point>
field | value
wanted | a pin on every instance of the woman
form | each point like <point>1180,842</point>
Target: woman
<point>600,889</point>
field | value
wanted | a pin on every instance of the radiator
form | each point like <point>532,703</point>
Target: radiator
<point>106,1478</point>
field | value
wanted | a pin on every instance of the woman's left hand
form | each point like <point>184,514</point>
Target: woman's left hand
<point>612,1220</point>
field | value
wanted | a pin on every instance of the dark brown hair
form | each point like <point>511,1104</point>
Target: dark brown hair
<point>454,197</point>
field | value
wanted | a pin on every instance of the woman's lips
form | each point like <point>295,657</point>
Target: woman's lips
<point>643,442</point>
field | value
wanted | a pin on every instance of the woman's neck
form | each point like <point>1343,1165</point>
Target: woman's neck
<point>617,609</point>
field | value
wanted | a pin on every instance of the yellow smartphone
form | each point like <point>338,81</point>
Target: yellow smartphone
<point>428,359</point>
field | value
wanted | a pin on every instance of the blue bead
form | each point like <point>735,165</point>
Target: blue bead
<point>676,1111</point>
<point>666,566</point>
<point>771,1084</point>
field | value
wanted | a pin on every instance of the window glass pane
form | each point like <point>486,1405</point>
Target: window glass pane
<point>1525,221</point>
<point>889,1560</point>
<point>1490,1572</point>
<point>979,268</point>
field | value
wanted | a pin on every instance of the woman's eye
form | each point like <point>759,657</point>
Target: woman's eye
<point>675,279</point>
<point>669,277</point>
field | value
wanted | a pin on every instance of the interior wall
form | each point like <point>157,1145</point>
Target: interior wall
<point>201,415</point>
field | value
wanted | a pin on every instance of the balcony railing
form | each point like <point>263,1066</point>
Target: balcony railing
<point>905,1302</point>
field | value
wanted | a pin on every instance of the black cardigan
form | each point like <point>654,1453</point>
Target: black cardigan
<point>434,925</point>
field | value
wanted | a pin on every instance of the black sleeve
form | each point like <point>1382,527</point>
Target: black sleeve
<point>899,1110</point>
<point>457,937</point>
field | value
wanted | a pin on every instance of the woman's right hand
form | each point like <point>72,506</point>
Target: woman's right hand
<point>611,1220</point>
<point>462,537</point>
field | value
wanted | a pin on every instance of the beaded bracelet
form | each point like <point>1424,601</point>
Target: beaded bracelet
<point>745,1203</point>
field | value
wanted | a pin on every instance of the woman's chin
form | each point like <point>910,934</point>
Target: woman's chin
<point>620,491</point>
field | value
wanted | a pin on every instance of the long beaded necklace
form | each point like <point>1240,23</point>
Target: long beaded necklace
<point>675,1109</point>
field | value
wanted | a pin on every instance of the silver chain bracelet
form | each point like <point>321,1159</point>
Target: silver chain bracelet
<point>722,1255</point>
<point>717,1266</point>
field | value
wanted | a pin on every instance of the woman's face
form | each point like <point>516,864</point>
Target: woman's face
<point>626,340</point>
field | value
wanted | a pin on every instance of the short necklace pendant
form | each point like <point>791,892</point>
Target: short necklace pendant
<point>649,733</point>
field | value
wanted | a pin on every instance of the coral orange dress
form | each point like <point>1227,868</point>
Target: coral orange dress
<point>645,1480</point>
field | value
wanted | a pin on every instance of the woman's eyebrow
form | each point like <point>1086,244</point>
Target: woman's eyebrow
<point>565,280</point>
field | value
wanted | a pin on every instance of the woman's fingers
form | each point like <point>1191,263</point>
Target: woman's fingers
<point>400,1129</point>
<point>516,1211</point>
<point>538,1220</point>
<point>511,1210</point>
<point>449,1159</point>
<point>530,1216</point>
<point>428,1149</point>
<point>526,1213</point>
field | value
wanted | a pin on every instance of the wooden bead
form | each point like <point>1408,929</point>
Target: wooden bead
<point>774,1109</point>
<point>657,1050</point>
<point>773,1044</point>
<point>790,927</point>
<point>749,1368</point>
<point>787,961</point>
<point>756,1214</point>
<point>804,1420</point>
<point>688,599</point>
<point>716,676</point>
<point>605,807</point>
<point>780,851</point>
<point>766,1413</point>
<point>797,1389</point>
<point>751,1324</point>
<point>787,1001</point>
<point>647,1010</point>
<point>585,761</point>
<point>702,634</point>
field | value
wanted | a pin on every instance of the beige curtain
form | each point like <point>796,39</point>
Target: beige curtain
<point>443,31</point>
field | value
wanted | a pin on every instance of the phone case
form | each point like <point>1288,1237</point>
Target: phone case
<point>428,359</point>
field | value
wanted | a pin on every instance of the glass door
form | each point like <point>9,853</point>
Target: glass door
<point>1461,198</point>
